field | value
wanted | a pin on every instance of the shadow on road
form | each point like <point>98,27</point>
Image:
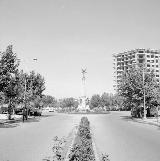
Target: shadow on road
<point>15,123</point>
<point>8,125</point>
<point>129,118</point>
<point>43,116</point>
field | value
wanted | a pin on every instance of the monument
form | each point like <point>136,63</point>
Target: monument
<point>82,101</point>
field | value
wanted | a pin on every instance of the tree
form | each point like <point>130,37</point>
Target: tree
<point>119,102</point>
<point>2,98</point>
<point>95,101</point>
<point>49,101</point>
<point>8,76</point>
<point>17,86</point>
<point>68,103</point>
<point>132,89</point>
<point>106,100</point>
<point>36,83</point>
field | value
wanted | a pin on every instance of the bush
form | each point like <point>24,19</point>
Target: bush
<point>82,148</point>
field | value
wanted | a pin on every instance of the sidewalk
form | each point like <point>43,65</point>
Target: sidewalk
<point>149,121</point>
<point>4,118</point>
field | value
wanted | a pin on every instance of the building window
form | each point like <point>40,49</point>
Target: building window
<point>148,60</point>
<point>152,65</point>
<point>140,61</point>
<point>157,75</point>
<point>156,60</point>
<point>148,65</point>
<point>156,56</point>
<point>140,56</point>
<point>152,56</point>
<point>157,66</point>
<point>152,61</point>
<point>157,70</point>
<point>148,56</point>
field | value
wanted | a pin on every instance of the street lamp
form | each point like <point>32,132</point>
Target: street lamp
<point>144,97</point>
<point>25,91</point>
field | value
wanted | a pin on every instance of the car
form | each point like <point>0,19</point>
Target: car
<point>19,111</point>
<point>35,112</point>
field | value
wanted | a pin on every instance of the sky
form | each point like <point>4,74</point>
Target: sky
<point>68,35</point>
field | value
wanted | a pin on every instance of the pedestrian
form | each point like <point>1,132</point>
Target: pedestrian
<point>24,114</point>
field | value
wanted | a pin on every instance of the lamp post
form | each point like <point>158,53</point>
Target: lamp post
<point>144,97</point>
<point>25,110</point>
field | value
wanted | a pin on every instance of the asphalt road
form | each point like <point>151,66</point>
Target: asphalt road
<point>115,133</point>
<point>32,141</point>
<point>125,140</point>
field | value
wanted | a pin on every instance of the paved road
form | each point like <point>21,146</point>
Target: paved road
<point>125,140</point>
<point>115,134</point>
<point>32,141</point>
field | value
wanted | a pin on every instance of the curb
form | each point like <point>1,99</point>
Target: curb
<point>71,145</point>
<point>5,121</point>
<point>146,122</point>
<point>94,146</point>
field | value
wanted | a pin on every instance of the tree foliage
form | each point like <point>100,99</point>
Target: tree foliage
<point>105,101</point>
<point>68,103</point>
<point>9,73</point>
<point>49,101</point>
<point>13,81</point>
<point>133,88</point>
<point>95,101</point>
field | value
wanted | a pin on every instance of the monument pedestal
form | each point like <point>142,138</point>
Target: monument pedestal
<point>82,105</point>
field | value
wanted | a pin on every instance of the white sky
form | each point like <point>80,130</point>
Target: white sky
<point>66,35</point>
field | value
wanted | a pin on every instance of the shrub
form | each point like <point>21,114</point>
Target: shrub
<point>82,149</point>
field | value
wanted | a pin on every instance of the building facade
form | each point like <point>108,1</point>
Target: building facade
<point>150,59</point>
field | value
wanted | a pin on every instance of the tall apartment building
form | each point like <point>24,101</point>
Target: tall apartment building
<point>150,59</point>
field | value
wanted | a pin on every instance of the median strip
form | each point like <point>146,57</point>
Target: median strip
<point>79,145</point>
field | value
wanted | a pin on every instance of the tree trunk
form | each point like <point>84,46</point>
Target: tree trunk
<point>9,110</point>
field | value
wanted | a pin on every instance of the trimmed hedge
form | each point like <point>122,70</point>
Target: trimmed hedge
<point>82,149</point>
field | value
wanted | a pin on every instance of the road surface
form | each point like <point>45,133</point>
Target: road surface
<point>32,141</point>
<point>126,140</point>
<point>115,133</point>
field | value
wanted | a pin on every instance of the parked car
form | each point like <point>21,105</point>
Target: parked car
<point>4,109</point>
<point>18,111</point>
<point>35,112</point>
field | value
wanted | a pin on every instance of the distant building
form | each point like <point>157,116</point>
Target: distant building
<point>146,57</point>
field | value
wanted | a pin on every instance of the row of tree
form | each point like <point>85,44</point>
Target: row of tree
<point>106,101</point>
<point>16,86</point>
<point>66,104</point>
